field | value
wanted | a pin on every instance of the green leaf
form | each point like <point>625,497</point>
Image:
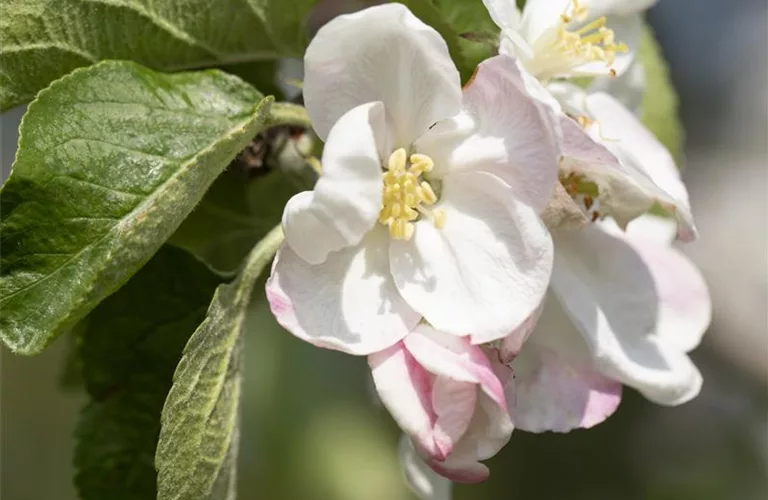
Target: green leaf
<point>111,160</point>
<point>660,107</point>
<point>236,212</point>
<point>470,18</point>
<point>128,349</point>
<point>42,40</point>
<point>197,450</point>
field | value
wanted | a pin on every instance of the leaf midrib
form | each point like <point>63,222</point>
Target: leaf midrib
<point>184,166</point>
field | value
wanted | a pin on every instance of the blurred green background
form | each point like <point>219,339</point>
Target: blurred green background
<point>311,430</point>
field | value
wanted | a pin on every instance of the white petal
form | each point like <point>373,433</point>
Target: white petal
<point>540,16</point>
<point>572,97</point>
<point>502,130</point>
<point>642,153</point>
<point>504,13</point>
<point>628,88</point>
<point>598,8</point>
<point>611,295</point>
<point>685,307</point>
<point>425,483</point>
<point>347,198</point>
<point>660,230</point>
<point>454,404</point>
<point>349,302</point>
<point>386,54</point>
<point>551,393</point>
<point>454,358</point>
<point>485,272</point>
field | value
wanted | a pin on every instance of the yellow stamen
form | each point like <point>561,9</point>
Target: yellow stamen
<point>572,48</point>
<point>405,196</point>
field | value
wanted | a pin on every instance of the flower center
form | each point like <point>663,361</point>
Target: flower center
<point>405,196</point>
<point>572,47</point>
<point>584,193</point>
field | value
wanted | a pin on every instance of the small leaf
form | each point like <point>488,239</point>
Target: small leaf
<point>42,40</point>
<point>471,18</point>
<point>111,160</point>
<point>128,349</point>
<point>197,449</point>
<point>659,108</point>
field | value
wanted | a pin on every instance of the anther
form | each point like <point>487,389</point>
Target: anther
<point>405,196</point>
<point>397,160</point>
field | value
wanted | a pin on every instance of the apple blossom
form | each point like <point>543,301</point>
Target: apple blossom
<point>624,308</point>
<point>570,38</point>
<point>448,397</point>
<point>612,165</point>
<point>428,202</point>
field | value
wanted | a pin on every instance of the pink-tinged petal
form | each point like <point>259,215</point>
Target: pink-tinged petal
<point>612,297</point>
<point>346,200</point>
<point>386,54</point>
<point>488,432</point>
<point>454,404</point>
<point>550,393</point>
<point>348,303</point>
<point>649,162</point>
<point>485,271</point>
<point>501,130</point>
<point>454,358</point>
<point>405,388</point>
<point>685,307</point>
<point>424,482</point>
<point>467,473</point>
<point>513,343</point>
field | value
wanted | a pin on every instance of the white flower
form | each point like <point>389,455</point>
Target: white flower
<point>613,166</point>
<point>428,202</point>
<point>624,308</point>
<point>448,397</point>
<point>570,38</point>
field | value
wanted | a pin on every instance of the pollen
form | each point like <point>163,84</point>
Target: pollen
<point>406,197</point>
<point>574,46</point>
<point>585,194</point>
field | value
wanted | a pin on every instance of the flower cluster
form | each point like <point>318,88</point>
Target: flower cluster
<point>489,248</point>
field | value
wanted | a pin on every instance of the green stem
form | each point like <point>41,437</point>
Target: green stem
<point>285,113</point>
<point>260,256</point>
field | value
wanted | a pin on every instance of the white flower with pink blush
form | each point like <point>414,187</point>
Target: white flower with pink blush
<point>427,207</point>
<point>570,38</point>
<point>448,397</point>
<point>613,165</point>
<point>624,308</point>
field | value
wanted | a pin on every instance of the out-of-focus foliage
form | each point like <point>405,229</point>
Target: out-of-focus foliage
<point>659,108</point>
<point>128,349</point>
